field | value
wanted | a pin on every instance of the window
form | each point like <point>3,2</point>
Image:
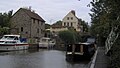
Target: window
<point>26,32</point>
<point>42,23</point>
<point>67,18</point>
<point>38,30</point>
<point>67,23</point>
<point>33,20</point>
<point>71,24</point>
<point>38,22</point>
<point>21,29</point>
<point>16,38</point>
<point>71,18</point>
<point>64,23</point>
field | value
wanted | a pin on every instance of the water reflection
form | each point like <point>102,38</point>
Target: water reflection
<point>37,59</point>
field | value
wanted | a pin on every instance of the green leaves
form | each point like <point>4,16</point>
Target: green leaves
<point>100,19</point>
<point>5,22</point>
<point>68,37</point>
<point>106,15</point>
<point>5,19</point>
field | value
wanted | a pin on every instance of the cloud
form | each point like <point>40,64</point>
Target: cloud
<point>50,9</point>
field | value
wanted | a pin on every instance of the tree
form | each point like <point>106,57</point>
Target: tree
<point>47,26</point>
<point>85,25</point>
<point>100,20</point>
<point>5,22</point>
<point>68,37</point>
<point>58,23</point>
<point>106,16</point>
<point>5,19</point>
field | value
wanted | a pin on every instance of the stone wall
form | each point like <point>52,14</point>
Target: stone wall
<point>27,27</point>
<point>20,19</point>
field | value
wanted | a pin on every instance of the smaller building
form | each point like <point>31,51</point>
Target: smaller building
<point>28,24</point>
<point>56,29</point>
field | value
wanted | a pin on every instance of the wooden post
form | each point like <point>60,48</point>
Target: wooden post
<point>73,49</point>
<point>81,48</point>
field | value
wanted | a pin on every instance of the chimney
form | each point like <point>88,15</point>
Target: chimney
<point>33,11</point>
<point>30,8</point>
<point>73,11</point>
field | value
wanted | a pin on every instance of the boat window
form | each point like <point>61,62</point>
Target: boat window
<point>10,42</point>
<point>8,37</point>
<point>77,48</point>
<point>69,48</point>
<point>91,40</point>
<point>44,40</point>
<point>1,41</point>
<point>16,38</point>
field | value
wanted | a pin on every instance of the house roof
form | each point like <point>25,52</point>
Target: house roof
<point>32,14</point>
<point>56,25</point>
<point>73,12</point>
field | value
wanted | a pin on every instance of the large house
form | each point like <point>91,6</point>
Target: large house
<point>28,24</point>
<point>69,21</point>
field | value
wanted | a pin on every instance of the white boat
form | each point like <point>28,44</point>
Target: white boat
<point>12,42</point>
<point>46,43</point>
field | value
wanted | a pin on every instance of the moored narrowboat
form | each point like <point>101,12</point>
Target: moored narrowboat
<point>80,51</point>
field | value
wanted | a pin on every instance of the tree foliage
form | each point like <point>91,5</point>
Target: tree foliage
<point>105,16</point>
<point>5,22</point>
<point>58,23</point>
<point>47,26</point>
<point>100,21</point>
<point>68,36</point>
<point>85,26</point>
<point>5,19</point>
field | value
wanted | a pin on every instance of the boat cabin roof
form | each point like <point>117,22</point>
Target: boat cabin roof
<point>91,40</point>
<point>13,35</point>
<point>45,38</point>
<point>83,43</point>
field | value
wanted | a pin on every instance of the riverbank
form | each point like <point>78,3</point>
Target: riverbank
<point>100,60</point>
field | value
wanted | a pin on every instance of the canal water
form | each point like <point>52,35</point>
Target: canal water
<point>41,58</point>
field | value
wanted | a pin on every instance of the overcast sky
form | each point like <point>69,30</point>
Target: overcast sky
<point>50,10</point>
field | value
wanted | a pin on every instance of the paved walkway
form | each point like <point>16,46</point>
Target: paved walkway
<point>101,59</point>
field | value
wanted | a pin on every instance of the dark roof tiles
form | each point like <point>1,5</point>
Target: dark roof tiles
<point>32,14</point>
